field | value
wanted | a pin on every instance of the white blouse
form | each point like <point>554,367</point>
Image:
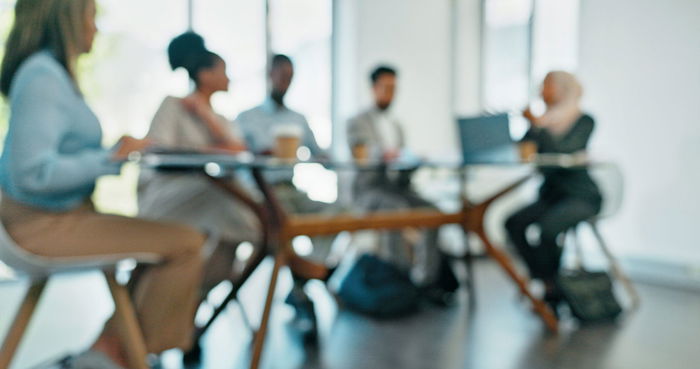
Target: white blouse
<point>187,198</point>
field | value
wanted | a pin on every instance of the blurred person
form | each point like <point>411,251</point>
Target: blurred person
<point>377,136</point>
<point>51,159</point>
<point>259,123</point>
<point>259,126</point>
<point>190,123</point>
<point>567,195</point>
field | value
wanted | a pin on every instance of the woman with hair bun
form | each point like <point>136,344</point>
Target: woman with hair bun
<point>191,124</point>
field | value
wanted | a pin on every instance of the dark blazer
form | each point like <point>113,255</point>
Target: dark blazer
<point>560,182</point>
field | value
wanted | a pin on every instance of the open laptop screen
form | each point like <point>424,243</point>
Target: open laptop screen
<point>486,140</point>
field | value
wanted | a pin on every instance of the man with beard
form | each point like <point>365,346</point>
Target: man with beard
<point>375,135</point>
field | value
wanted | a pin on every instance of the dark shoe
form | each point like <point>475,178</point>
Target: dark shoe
<point>305,315</point>
<point>443,291</point>
<point>553,298</point>
<point>439,297</point>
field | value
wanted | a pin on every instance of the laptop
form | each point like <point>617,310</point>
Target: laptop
<point>486,140</point>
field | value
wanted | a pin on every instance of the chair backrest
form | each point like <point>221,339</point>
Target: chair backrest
<point>610,181</point>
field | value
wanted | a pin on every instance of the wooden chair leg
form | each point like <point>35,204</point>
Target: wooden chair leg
<point>259,339</point>
<point>616,269</point>
<point>127,325</point>
<point>19,326</point>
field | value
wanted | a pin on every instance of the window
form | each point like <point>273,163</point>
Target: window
<point>236,31</point>
<point>522,41</point>
<point>125,78</point>
<point>127,75</point>
<point>6,20</point>
<point>555,37</point>
<point>506,54</point>
<point>302,29</point>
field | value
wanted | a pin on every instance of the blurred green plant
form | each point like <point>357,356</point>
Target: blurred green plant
<point>86,64</point>
<point>6,20</point>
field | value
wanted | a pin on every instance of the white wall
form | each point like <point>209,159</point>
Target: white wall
<point>414,36</point>
<point>467,70</point>
<point>640,64</point>
<point>555,38</point>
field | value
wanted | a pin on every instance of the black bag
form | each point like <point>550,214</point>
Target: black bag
<point>377,288</point>
<point>589,295</point>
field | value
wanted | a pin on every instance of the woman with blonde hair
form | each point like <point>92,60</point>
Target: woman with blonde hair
<point>50,162</point>
<point>567,196</point>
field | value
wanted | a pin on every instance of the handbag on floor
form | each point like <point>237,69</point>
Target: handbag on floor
<point>589,295</point>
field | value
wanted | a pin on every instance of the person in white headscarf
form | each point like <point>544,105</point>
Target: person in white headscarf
<point>567,196</point>
<point>561,92</point>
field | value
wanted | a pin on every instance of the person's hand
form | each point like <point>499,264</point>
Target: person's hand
<point>128,145</point>
<point>531,118</point>
<point>527,113</point>
<point>391,155</point>
<point>196,105</point>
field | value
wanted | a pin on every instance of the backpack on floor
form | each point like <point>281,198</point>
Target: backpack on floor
<point>378,288</point>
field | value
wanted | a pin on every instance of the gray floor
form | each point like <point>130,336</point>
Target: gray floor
<point>501,333</point>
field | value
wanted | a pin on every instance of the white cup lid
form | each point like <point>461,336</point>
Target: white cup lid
<point>287,130</point>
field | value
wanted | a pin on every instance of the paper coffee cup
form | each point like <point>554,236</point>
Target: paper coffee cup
<point>528,151</point>
<point>287,141</point>
<point>360,152</point>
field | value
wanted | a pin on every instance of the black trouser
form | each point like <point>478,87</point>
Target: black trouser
<point>553,217</point>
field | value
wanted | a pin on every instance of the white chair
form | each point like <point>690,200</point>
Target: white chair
<point>610,181</point>
<point>40,269</point>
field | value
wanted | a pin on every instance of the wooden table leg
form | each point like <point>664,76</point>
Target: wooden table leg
<point>232,187</point>
<point>259,342</point>
<point>474,217</point>
<point>504,261</point>
<point>236,284</point>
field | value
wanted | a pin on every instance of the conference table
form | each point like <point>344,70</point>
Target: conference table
<point>280,227</point>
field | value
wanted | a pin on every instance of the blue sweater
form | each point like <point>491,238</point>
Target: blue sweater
<point>53,150</point>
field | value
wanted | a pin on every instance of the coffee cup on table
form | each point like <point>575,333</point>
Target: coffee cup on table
<point>528,150</point>
<point>287,141</point>
<point>360,152</point>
